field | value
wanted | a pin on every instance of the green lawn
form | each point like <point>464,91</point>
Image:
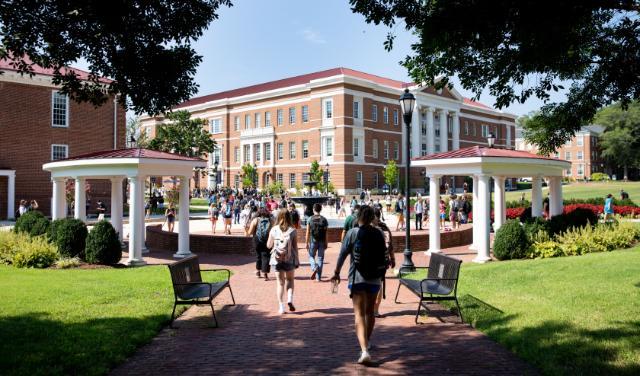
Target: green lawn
<point>570,315</point>
<point>587,190</point>
<point>79,321</point>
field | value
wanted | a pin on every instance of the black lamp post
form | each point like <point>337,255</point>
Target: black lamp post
<point>255,175</point>
<point>491,139</point>
<point>407,102</point>
<point>132,143</point>
<point>215,176</point>
<point>326,179</point>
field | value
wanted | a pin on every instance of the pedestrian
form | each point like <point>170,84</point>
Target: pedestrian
<point>338,205</point>
<point>443,213</point>
<point>316,241</point>
<point>343,208</point>
<point>227,213</point>
<point>399,209</point>
<point>366,246</point>
<point>283,244</point>
<point>608,207</point>
<point>454,208</point>
<point>465,210</point>
<point>350,221</point>
<point>623,195</point>
<point>170,215</point>
<point>388,240</point>
<point>22,208</point>
<point>418,209</point>
<point>33,205</point>
<point>237,206</point>
<point>259,229</point>
<point>295,216</point>
<point>387,202</point>
<point>214,213</point>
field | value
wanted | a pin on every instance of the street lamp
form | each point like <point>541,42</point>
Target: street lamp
<point>215,176</point>
<point>326,179</point>
<point>491,139</point>
<point>132,143</point>
<point>255,175</point>
<point>407,102</point>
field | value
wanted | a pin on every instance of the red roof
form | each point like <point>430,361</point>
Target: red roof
<point>9,65</point>
<point>471,102</point>
<point>293,81</point>
<point>133,153</point>
<point>477,151</point>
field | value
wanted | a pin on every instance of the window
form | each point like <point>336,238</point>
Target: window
<point>580,169</point>
<point>466,128</point>
<point>374,113</point>
<point>385,115</point>
<point>292,150</point>
<point>305,149</point>
<point>568,142</point>
<point>258,121</point>
<point>396,150</point>
<point>236,123</point>
<point>556,155</point>
<point>217,155</point>
<point>280,178</point>
<point>328,109</point>
<point>567,172</point>
<point>375,148</point>
<point>59,110</point>
<point>567,155</point>
<point>475,130</point>
<point>359,179</point>
<point>328,147</point>
<point>267,119</point>
<point>580,140</point>
<point>356,109</point>
<point>423,128</point>
<point>59,152</point>
<point>236,154</point>
<point>396,118</point>
<point>579,155</point>
<point>356,147</point>
<point>267,151</point>
<point>279,115</point>
<point>214,125</point>
<point>247,121</point>
<point>292,180</point>
<point>280,151</point>
<point>236,181</point>
<point>247,153</point>
<point>423,150</point>
<point>485,130</point>
<point>305,114</point>
<point>256,150</point>
<point>386,150</point>
<point>376,180</point>
<point>449,125</point>
<point>437,130</point>
<point>292,115</point>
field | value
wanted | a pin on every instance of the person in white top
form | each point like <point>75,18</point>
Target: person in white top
<point>284,256</point>
<point>418,209</point>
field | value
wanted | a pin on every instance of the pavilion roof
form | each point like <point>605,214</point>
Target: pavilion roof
<point>133,153</point>
<point>479,151</point>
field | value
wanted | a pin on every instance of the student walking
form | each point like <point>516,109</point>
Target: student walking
<point>259,229</point>
<point>170,215</point>
<point>227,213</point>
<point>608,208</point>
<point>317,235</point>
<point>284,256</point>
<point>399,209</point>
<point>366,246</point>
<point>214,213</point>
<point>418,209</point>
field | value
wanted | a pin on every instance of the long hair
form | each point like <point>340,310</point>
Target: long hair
<point>366,215</point>
<point>284,220</point>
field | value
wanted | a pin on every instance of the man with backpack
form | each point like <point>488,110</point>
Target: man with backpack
<point>259,229</point>
<point>317,226</point>
<point>369,263</point>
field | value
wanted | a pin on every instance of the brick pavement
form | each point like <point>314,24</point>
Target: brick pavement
<point>317,339</point>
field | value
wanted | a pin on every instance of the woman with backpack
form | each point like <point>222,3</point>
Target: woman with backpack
<point>366,245</point>
<point>214,213</point>
<point>284,256</point>
<point>227,213</point>
<point>259,229</point>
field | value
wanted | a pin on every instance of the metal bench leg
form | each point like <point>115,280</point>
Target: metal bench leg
<point>397,292</point>
<point>459,310</point>
<point>232,298</point>
<point>175,304</point>
<point>418,313</point>
<point>214,314</point>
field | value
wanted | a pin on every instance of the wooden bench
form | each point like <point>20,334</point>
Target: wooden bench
<point>441,282</point>
<point>189,289</point>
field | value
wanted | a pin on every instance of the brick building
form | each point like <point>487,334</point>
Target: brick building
<point>583,151</point>
<point>38,125</point>
<point>346,119</point>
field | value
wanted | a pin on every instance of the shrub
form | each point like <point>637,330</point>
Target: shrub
<point>514,213</point>
<point>33,223</point>
<point>580,217</point>
<point>545,249</point>
<point>66,263</point>
<point>600,176</point>
<point>518,204</point>
<point>35,253</point>
<point>69,235</point>
<point>523,185</point>
<point>10,244</point>
<point>511,241</point>
<point>525,216</point>
<point>535,226</point>
<point>103,246</point>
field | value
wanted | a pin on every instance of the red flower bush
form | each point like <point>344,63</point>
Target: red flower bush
<point>514,213</point>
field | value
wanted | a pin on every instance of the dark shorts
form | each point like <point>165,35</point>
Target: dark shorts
<point>285,267</point>
<point>364,287</point>
<point>171,219</point>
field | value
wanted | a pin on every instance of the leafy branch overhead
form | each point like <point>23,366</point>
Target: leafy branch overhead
<point>520,49</point>
<point>183,135</point>
<point>144,47</point>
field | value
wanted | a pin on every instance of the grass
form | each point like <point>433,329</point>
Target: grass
<point>587,190</point>
<point>79,321</point>
<point>568,315</point>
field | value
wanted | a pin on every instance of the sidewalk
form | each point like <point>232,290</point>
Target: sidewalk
<point>317,339</point>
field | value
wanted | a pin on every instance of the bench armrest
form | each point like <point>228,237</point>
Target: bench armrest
<point>218,270</point>
<point>409,270</point>
<point>191,284</point>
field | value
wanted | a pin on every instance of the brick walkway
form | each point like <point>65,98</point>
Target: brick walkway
<point>317,339</point>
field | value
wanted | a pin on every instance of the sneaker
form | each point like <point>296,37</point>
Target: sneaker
<point>258,274</point>
<point>365,358</point>
<point>313,275</point>
<point>291,307</point>
<point>281,309</point>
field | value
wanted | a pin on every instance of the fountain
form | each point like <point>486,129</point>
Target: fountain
<point>309,201</point>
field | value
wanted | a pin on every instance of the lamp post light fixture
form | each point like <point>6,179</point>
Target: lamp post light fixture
<point>215,176</point>
<point>491,139</point>
<point>407,103</point>
<point>326,179</point>
<point>255,175</point>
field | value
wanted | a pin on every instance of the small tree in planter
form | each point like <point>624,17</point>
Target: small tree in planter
<point>103,246</point>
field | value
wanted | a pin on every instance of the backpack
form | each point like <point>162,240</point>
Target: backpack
<point>282,250</point>
<point>262,230</point>
<point>455,206</point>
<point>370,253</point>
<point>227,210</point>
<point>318,227</point>
<point>362,195</point>
<point>466,207</point>
<point>399,206</point>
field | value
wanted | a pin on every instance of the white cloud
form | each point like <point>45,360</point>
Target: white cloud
<point>311,36</point>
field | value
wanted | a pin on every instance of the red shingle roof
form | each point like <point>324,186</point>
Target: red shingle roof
<point>471,102</point>
<point>8,65</point>
<point>133,153</point>
<point>477,151</point>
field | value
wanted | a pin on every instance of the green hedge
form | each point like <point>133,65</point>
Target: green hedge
<point>69,235</point>
<point>33,223</point>
<point>24,251</point>
<point>511,241</point>
<point>103,245</point>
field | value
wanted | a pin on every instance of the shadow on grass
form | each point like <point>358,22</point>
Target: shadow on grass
<point>34,343</point>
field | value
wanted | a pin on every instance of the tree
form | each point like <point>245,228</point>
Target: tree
<point>134,130</point>
<point>316,173</point>
<point>621,139</point>
<point>144,46</point>
<point>249,175</point>
<point>519,49</point>
<point>183,135</point>
<point>391,173</point>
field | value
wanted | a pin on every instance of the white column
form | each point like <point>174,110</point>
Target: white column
<point>183,219</point>
<point>483,219</point>
<point>135,217</point>
<point>252,154</point>
<point>143,227</point>
<point>80,209</point>
<point>444,135</point>
<point>475,210</point>
<point>58,202</point>
<point>500,208</point>
<point>434,214</point>
<point>536,196</point>
<point>116,205</point>
<point>11,196</point>
<point>416,127</point>
<point>455,144</point>
<point>555,196</point>
<point>431,132</point>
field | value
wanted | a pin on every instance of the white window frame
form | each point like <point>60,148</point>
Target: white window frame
<point>280,116</point>
<point>359,179</point>
<point>257,149</point>
<point>375,148</point>
<point>236,123</point>
<point>327,108</point>
<point>567,155</point>
<point>257,120</point>
<point>374,113</point>
<point>292,115</point>
<point>305,149</point>
<point>580,169</point>
<point>386,150</point>
<point>327,147</point>
<point>292,180</point>
<point>305,113</point>
<point>212,126</point>
<point>267,151</point>
<point>292,150</point>
<point>66,110</point>
<point>580,140</point>
<point>267,119</point>
<point>236,154</point>
<point>280,177</point>
<point>385,115</point>
<point>356,110</point>
<point>356,147</point>
<point>396,150</point>
<point>579,155</point>
<point>396,116</point>
<point>280,150</point>
<point>247,153</point>
<point>247,121</point>
<point>66,151</point>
